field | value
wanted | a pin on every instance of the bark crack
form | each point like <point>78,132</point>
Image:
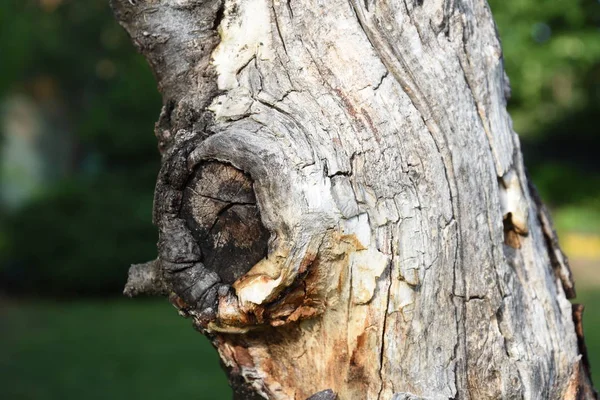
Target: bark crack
<point>277,28</point>
<point>385,317</point>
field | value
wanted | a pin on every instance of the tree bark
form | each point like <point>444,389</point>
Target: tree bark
<point>343,207</point>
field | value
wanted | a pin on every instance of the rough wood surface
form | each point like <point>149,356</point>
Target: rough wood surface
<point>343,207</point>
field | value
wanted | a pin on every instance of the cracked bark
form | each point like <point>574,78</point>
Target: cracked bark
<point>342,205</point>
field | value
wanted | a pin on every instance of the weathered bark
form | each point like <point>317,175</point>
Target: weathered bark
<point>343,207</point>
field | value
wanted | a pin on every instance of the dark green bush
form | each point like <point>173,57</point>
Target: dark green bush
<point>92,218</point>
<point>80,239</point>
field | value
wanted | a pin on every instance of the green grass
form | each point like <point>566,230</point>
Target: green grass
<point>591,326</point>
<point>117,349</point>
<point>578,218</point>
<point>138,349</point>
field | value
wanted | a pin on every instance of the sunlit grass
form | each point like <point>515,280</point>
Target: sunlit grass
<point>113,349</point>
<point>582,219</point>
<point>136,349</point>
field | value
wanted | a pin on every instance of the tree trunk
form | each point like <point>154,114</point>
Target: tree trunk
<point>343,206</point>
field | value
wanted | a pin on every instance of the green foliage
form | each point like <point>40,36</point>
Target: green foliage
<point>98,350</point>
<point>552,56</point>
<point>84,229</point>
<point>81,238</point>
<point>77,56</point>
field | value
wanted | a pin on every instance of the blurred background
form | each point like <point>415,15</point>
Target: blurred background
<point>78,162</point>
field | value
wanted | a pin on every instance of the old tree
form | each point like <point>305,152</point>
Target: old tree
<point>342,206</point>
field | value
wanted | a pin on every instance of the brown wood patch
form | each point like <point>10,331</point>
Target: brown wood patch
<point>220,209</point>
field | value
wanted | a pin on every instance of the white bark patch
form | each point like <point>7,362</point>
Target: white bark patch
<point>366,266</point>
<point>405,297</point>
<point>513,201</point>
<point>359,227</point>
<point>233,105</point>
<point>317,191</point>
<point>258,290</point>
<point>343,195</point>
<point>245,33</point>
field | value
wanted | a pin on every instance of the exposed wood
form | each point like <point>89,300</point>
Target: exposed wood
<point>342,204</point>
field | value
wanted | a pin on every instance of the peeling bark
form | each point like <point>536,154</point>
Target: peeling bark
<point>342,205</point>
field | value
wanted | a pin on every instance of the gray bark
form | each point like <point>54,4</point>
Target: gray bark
<point>343,207</point>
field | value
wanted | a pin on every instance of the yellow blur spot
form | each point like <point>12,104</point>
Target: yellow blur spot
<point>578,245</point>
